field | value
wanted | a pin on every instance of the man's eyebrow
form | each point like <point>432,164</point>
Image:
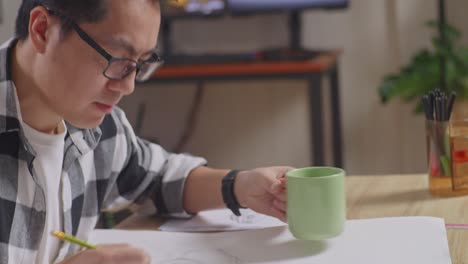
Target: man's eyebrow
<point>122,42</point>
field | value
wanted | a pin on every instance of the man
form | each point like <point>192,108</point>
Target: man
<point>68,153</point>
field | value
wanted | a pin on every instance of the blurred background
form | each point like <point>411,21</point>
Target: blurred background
<point>251,123</point>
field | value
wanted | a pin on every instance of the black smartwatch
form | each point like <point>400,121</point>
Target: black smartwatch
<point>227,189</point>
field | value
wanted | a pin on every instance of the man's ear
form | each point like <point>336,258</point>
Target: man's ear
<point>39,28</point>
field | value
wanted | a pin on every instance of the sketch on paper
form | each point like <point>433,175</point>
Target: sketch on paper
<point>204,256</point>
<point>249,217</point>
<point>245,218</point>
<point>221,220</point>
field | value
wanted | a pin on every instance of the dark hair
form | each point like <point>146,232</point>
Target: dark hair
<point>78,10</point>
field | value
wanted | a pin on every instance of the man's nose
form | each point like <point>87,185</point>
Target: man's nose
<point>125,86</point>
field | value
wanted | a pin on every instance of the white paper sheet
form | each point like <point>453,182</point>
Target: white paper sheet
<point>221,220</point>
<point>402,240</point>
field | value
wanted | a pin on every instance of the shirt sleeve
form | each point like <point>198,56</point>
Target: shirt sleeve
<point>145,175</point>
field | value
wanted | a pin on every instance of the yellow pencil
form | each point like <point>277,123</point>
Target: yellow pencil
<point>69,238</point>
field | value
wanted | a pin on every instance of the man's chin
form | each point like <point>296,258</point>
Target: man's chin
<point>88,123</point>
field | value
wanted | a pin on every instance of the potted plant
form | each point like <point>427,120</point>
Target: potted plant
<point>444,67</point>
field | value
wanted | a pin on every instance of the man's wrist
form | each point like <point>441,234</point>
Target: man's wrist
<point>239,188</point>
<point>228,192</point>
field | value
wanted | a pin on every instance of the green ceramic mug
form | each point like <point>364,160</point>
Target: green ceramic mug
<point>316,202</point>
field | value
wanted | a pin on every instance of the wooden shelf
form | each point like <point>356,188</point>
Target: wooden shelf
<point>319,63</point>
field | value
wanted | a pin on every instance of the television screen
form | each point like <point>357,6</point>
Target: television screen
<point>219,7</point>
<point>193,7</point>
<point>270,5</point>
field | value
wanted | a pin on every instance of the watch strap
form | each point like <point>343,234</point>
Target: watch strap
<point>227,190</point>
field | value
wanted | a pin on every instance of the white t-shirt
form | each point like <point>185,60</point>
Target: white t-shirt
<point>49,150</point>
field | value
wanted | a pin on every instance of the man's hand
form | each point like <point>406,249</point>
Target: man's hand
<point>110,254</point>
<point>263,190</point>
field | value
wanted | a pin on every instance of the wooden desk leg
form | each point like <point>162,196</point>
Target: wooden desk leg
<point>316,119</point>
<point>336,117</point>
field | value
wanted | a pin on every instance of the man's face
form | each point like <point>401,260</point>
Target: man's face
<point>70,75</point>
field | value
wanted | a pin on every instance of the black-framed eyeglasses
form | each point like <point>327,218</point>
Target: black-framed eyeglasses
<point>117,68</point>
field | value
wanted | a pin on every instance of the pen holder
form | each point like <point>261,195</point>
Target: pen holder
<point>447,157</point>
<point>459,149</point>
<point>438,157</point>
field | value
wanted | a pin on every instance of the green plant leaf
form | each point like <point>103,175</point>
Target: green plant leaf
<point>422,73</point>
<point>452,34</point>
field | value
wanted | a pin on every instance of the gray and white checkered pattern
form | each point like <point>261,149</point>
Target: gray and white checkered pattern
<point>104,169</point>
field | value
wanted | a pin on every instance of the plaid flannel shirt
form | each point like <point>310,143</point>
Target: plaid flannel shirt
<point>106,168</point>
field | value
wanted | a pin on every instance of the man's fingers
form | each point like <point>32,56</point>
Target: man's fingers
<point>281,215</point>
<point>281,196</point>
<point>132,255</point>
<point>283,171</point>
<point>110,253</point>
<point>279,205</point>
<point>278,187</point>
